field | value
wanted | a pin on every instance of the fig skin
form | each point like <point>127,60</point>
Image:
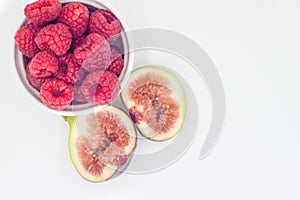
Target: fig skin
<point>138,113</point>
<point>109,170</point>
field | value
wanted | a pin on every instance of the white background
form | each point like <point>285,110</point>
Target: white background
<point>255,45</point>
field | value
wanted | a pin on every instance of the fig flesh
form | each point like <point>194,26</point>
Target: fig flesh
<point>155,100</point>
<point>100,144</point>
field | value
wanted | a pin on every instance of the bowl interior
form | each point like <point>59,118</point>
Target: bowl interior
<point>122,43</point>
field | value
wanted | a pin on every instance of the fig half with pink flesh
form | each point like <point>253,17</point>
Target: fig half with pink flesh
<point>101,143</point>
<point>156,102</point>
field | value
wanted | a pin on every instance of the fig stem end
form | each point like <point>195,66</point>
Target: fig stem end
<point>69,119</point>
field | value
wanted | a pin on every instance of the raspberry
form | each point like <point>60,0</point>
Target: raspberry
<point>117,62</point>
<point>42,11</point>
<point>35,82</point>
<point>55,37</point>
<point>25,40</point>
<point>56,94</point>
<point>68,69</point>
<point>94,53</point>
<point>76,17</point>
<point>76,42</point>
<point>43,64</point>
<point>100,87</point>
<point>105,23</point>
<point>78,96</point>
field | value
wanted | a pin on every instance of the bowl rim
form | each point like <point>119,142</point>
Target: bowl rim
<point>82,109</point>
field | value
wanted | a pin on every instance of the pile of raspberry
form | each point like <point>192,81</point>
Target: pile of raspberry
<point>68,53</point>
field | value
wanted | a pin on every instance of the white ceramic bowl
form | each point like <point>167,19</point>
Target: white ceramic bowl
<point>87,108</point>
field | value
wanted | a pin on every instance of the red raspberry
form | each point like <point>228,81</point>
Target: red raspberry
<point>105,23</point>
<point>25,40</point>
<point>76,17</point>
<point>68,69</point>
<point>76,42</point>
<point>117,62</point>
<point>35,82</point>
<point>43,64</point>
<point>78,96</point>
<point>42,11</point>
<point>100,87</point>
<point>56,37</point>
<point>56,94</point>
<point>94,53</point>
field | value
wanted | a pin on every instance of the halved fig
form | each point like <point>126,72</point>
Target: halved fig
<point>100,144</point>
<point>155,100</point>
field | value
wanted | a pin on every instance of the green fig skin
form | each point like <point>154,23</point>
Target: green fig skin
<point>171,82</point>
<point>108,171</point>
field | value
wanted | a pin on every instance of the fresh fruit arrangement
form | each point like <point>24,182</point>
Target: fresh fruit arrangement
<point>68,53</point>
<point>101,143</point>
<point>70,58</point>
